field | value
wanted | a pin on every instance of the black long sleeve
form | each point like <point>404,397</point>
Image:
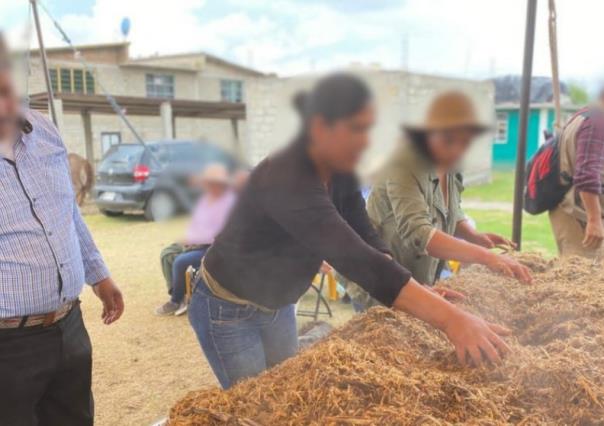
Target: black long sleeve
<point>285,224</point>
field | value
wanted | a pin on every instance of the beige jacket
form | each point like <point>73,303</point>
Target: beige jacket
<point>406,205</point>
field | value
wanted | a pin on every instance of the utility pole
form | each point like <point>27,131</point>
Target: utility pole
<point>51,104</point>
<point>525,98</point>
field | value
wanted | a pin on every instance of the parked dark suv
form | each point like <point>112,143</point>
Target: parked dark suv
<point>153,177</point>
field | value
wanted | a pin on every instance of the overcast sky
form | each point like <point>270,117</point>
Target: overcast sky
<point>466,38</point>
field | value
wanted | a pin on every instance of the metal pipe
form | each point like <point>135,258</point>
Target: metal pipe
<point>525,98</point>
<point>51,103</point>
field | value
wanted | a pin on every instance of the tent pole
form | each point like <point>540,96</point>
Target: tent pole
<point>525,97</point>
<point>553,46</point>
<point>51,104</point>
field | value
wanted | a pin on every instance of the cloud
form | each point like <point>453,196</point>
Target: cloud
<point>467,38</point>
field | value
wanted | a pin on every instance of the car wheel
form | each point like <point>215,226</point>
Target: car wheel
<point>160,206</point>
<point>111,213</point>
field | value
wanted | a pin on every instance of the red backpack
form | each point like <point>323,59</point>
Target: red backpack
<point>545,184</point>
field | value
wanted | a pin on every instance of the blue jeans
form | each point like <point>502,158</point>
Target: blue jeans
<point>241,341</point>
<point>179,270</point>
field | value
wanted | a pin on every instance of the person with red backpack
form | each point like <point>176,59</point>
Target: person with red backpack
<point>565,177</point>
<point>577,221</point>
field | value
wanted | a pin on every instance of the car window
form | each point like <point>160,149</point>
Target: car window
<point>161,154</point>
<point>124,155</point>
<point>198,155</point>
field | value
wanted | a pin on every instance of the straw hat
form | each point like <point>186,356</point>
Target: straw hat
<point>450,110</point>
<point>215,173</point>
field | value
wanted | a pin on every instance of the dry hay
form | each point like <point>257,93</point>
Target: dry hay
<point>385,368</point>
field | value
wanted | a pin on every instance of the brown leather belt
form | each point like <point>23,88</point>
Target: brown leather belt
<point>45,320</point>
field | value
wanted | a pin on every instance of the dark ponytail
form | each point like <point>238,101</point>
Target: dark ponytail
<point>334,97</point>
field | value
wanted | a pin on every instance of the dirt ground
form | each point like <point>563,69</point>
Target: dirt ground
<point>143,363</point>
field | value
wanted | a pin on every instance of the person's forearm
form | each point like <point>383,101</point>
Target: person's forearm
<point>444,246</point>
<point>425,305</point>
<point>591,202</point>
<point>464,230</point>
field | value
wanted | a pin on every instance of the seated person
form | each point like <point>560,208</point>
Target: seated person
<point>209,216</point>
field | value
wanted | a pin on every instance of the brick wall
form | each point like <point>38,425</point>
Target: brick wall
<point>400,97</point>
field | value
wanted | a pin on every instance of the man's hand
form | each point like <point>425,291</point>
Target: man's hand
<point>509,266</point>
<point>594,234</point>
<point>473,337</point>
<point>489,240</point>
<point>111,296</point>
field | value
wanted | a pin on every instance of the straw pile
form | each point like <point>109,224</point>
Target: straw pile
<point>385,368</point>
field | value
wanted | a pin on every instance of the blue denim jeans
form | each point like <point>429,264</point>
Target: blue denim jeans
<point>179,270</point>
<point>241,341</point>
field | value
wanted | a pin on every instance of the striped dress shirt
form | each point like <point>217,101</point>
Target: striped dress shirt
<point>46,250</point>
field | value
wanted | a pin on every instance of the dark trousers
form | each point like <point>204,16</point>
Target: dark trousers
<point>45,374</point>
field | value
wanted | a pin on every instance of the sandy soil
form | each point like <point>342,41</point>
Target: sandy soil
<point>143,364</point>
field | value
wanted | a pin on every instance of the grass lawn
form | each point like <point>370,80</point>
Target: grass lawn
<point>501,189</point>
<point>536,232</point>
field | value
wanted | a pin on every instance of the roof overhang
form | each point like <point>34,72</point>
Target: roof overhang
<point>98,104</point>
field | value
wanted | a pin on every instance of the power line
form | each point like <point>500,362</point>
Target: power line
<point>78,55</point>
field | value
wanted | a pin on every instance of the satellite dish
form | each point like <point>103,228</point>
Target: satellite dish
<point>125,26</point>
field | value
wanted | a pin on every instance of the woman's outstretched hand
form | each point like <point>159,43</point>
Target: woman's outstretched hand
<point>510,267</point>
<point>490,240</point>
<point>472,336</point>
<point>475,339</point>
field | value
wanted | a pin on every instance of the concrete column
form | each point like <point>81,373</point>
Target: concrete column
<point>88,137</point>
<point>165,110</point>
<point>58,103</point>
<point>239,149</point>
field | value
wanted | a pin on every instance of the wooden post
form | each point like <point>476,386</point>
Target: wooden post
<point>51,106</point>
<point>88,137</point>
<point>553,47</point>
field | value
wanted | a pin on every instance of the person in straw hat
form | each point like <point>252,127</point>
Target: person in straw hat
<point>415,203</point>
<point>207,220</point>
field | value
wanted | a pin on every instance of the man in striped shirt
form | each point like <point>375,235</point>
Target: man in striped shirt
<point>46,255</point>
<point>577,222</point>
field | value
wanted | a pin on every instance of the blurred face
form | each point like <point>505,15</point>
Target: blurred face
<point>214,189</point>
<point>341,144</point>
<point>9,106</point>
<point>448,147</point>
<point>240,180</point>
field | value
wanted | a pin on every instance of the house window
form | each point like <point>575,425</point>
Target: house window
<point>231,90</point>
<point>160,86</point>
<point>108,139</point>
<point>501,128</point>
<point>71,80</point>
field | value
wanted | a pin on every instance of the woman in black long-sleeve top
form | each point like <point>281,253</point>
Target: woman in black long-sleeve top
<point>302,206</point>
